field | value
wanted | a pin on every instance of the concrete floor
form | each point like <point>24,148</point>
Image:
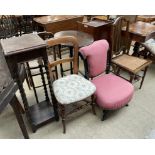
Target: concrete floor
<point>135,121</point>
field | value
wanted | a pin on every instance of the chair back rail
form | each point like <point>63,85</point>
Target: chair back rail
<point>130,18</point>
<point>68,39</point>
<point>120,40</point>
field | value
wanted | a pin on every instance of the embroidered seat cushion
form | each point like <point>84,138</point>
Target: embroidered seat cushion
<point>72,88</point>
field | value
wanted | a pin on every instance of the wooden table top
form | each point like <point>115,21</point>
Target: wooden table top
<point>83,38</point>
<point>20,44</point>
<point>101,17</point>
<point>54,18</point>
<point>146,18</point>
<point>97,23</point>
<point>141,28</point>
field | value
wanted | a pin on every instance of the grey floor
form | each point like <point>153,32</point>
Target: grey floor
<point>135,121</point>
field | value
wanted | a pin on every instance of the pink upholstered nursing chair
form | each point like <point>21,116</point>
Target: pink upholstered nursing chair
<point>112,92</point>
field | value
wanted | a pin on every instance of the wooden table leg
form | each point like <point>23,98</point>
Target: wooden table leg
<point>21,108</point>
<point>15,105</point>
<point>21,90</point>
<point>44,83</point>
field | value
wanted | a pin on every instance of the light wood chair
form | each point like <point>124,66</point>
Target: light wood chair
<point>70,89</point>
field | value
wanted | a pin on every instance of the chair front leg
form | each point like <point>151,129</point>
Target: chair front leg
<point>93,98</point>
<point>104,116</point>
<point>62,113</point>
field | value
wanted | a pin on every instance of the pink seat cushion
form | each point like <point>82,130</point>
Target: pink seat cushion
<point>96,55</point>
<point>112,92</point>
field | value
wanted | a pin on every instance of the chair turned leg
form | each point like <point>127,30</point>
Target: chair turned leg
<point>62,113</point>
<point>93,104</point>
<point>104,115</point>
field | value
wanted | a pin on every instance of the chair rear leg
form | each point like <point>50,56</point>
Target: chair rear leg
<point>131,77</point>
<point>60,56</point>
<point>143,77</point>
<point>118,71</point>
<point>54,57</point>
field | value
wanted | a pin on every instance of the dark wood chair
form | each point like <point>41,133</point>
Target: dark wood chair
<point>7,94</point>
<point>70,89</point>
<point>121,60</point>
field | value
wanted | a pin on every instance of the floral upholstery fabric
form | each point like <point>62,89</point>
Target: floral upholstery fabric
<point>150,44</point>
<point>72,88</point>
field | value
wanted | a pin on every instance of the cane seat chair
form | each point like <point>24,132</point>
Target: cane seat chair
<point>70,89</point>
<point>112,92</point>
<point>121,60</point>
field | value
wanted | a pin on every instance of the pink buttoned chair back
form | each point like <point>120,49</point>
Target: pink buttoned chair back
<point>96,55</point>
